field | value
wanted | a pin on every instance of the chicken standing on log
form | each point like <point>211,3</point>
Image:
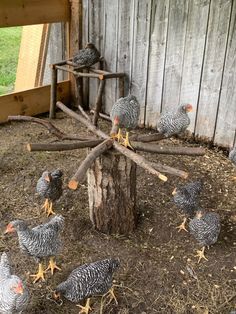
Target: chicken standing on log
<point>87,56</point>
<point>205,227</point>
<point>187,199</point>
<point>49,186</point>
<point>88,280</point>
<point>124,114</point>
<point>14,296</point>
<point>40,242</point>
<point>172,123</point>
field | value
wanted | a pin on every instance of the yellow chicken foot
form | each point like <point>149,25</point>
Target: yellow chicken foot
<point>200,254</point>
<point>182,226</point>
<point>49,210</point>
<point>112,297</point>
<point>118,136</point>
<point>85,309</point>
<point>46,206</point>
<point>40,274</point>
<point>126,142</point>
<point>52,265</point>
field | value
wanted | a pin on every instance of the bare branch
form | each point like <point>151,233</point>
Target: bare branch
<point>147,137</point>
<point>88,161</point>
<point>83,113</point>
<point>34,147</point>
<point>169,170</point>
<point>48,125</point>
<point>102,115</point>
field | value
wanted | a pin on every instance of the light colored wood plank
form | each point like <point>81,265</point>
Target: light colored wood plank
<point>158,38</point>
<point>142,17</point>
<point>31,102</point>
<point>212,68</point>
<point>28,12</point>
<point>174,53</point>
<point>125,35</point>
<point>31,56</point>
<point>226,119</point>
<point>110,40</point>
<point>193,55</point>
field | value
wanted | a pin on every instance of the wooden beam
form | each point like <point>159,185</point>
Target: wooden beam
<point>28,12</point>
<point>31,102</point>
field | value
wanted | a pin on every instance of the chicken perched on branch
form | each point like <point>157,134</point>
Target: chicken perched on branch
<point>88,280</point>
<point>87,56</point>
<point>14,296</point>
<point>187,199</point>
<point>205,227</point>
<point>124,114</point>
<point>40,242</point>
<point>172,123</point>
<point>49,186</point>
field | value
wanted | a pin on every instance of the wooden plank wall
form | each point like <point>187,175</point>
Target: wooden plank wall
<point>173,52</point>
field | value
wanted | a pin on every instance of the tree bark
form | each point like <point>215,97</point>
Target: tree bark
<point>112,193</point>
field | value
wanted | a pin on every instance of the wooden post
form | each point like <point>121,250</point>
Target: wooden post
<point>98,104</point>
<point>122,86</point>
<point>112,193</point>
<point>53,98</point>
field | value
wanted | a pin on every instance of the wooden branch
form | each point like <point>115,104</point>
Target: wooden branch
<point>84,113</point>
<point>98,104</point>
<point>169,170</point>
<point>147,137</point>
<point>88,161</point>
<point>169,150</point>
<point>48,125</point>
<point>36,147</point>
<point>102,115</point>
<point>139,160</point>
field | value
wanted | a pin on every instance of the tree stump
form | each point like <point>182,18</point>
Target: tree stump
<point>112,193</point>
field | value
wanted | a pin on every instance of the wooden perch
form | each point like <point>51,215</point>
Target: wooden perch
<point>98,104</point>
<point>102,115</point>
<point>88,161</point>
<point>83,113</point>
<point>147,137</point>
<point>139,160</point>
<point>171,150</point>
<point>48,125</point>
<point>169,170</point>
<point>36,147</point>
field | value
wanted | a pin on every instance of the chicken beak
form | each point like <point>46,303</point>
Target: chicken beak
<point>189,108</point>
<point>19,289</point>
<point>9,229</point>
<point>174,191</point>
<point>56,296</point>
<point>48,177</point>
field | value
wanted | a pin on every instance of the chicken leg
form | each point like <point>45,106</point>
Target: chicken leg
<point>126,142</point>
<point>182,226</point>
<point>85,309</point>
<point>52,265</point>
<point>47,206</point>
<point>40,274</point>
<point>118,136</point>
<point>112,297</point>
<point>200,254</point>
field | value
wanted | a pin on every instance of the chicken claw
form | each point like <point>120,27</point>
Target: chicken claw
<point>182,226</point>
<point>126,142</point>
<point>85,309</point>
<point>40,274</point>
<point>200,254</point>
<point>52,265</point>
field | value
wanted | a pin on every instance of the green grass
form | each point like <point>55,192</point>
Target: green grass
<point>10,38</point>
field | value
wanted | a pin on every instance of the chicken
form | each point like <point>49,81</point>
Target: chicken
<point>124,114</point>
<point>39,242</point>
<point>232,155</point>
<point>172,123</point>
<point>49,186</point>
<point>205,227</point>
<point>88,280</point>
<point>87,56</point>
<point>14,296</point>
<point>187,199</point>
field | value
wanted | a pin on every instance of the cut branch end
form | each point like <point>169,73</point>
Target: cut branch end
<point>162,177</point>
<point>28,146</point>
<point>73,184</point>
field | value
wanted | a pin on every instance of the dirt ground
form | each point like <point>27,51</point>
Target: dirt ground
<point>158,273</point>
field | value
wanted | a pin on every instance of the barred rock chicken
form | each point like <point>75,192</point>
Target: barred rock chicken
<point>87,56</point>
<point>49,186</point>
<point>14,296</point>
<point>124,114</point>
<point>172,123</point>
<point>205,227</point>
<point>40,241</point>
<point>187,199</point>
<point>88,280</point>
<point>232,155</point>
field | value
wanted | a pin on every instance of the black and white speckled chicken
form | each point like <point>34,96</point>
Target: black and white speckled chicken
<point>49,186</point>
<point>187,199</point>
<point>124,114</point>
<point>14,295</point>
<point>88,280</point>
<point>87,56</point>
<point>205,227</point>
<point>39,242</point>
<point>172,123</point>
<point>232,155</point>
